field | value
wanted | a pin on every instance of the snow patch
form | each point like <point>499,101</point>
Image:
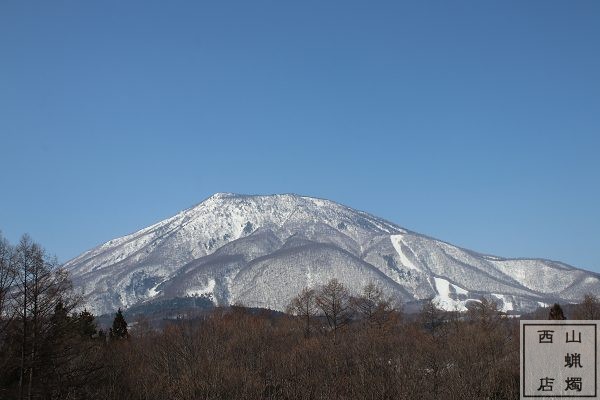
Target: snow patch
<point>444,300</point>
<point>203,291</point>
<point>152,292</point>
<point>397,242</point>
<point>379,225</point>
<point>507,305</point>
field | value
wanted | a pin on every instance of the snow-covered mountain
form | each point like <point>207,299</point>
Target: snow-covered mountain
<point>261,251</point>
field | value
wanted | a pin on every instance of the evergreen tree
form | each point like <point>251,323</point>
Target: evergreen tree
<point>86,324</point>
<point>102,336</point>
<point>556,312</point>
<point>60,320</point>
<point>119,326</point>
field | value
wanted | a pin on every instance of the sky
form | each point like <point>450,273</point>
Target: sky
<point>474,122</point>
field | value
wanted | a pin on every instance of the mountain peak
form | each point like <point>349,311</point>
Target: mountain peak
<point>222,195</point>
<point>261,250</point>
<point>226,195</point>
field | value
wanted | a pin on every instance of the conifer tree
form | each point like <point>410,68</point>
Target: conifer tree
<point>86,324</point>
<point>556,312</point>
<point>59,321</point>
<point>119,326</point>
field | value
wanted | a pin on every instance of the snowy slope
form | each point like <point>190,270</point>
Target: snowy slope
<point>262,250</point>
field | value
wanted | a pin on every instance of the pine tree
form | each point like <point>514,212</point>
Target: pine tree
<point>119,327</point>
<point>556,313</point>
<point>60,320</point>
<point>86,324</point>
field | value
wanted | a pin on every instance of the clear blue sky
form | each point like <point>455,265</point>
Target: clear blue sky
<point>474,122</point>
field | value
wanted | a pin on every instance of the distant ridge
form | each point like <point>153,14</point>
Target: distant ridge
<point>261,250</point>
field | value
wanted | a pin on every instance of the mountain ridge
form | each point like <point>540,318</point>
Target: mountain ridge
<point>227,245</point>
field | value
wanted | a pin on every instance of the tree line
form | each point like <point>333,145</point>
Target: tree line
<point>49,348</point>
<point>330,343</point>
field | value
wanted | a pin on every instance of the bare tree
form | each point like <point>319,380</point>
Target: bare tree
<point>334,301</point>
<point>40,286</point>
<point>366,304</point>
<point>7,279</point>
<point>305,305</point>
<point>25,254</point>
<point>432,318</point>
<point>589,308</point>
<point>485,312</point>
<point>374,307</point>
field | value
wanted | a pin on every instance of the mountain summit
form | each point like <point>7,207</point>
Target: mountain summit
<point>261,251</point>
